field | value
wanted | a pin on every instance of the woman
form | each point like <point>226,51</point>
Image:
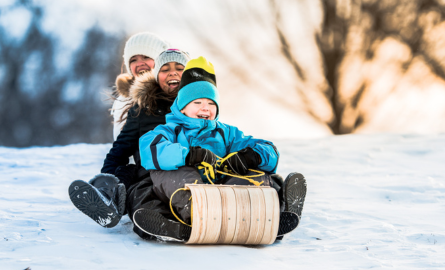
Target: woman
<point>139,53</point>
<point>150,97</point>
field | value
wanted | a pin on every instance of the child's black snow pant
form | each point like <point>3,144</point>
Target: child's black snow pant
<point>165,183</point>
<point>140,194</point>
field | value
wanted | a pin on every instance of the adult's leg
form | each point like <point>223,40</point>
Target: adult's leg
<point>102,199</point>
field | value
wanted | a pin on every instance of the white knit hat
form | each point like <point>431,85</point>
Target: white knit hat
<point>170,55</point>
<point>144,43</point>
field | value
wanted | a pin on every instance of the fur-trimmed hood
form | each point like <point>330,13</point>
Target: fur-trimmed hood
<point>123,84</point>
<point>136,89</point>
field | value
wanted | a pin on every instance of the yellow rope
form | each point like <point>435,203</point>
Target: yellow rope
<point>208,169</point>
<point>245,177</point>
<point>221,160</point>
<point>171,207</point>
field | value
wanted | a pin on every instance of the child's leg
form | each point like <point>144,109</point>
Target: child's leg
<point>165,183</point>
<point>142,196</point>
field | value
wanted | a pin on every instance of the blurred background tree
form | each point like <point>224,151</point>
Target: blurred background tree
<point>286,69</point>
<point>41,104</point>
<point>385,64</point>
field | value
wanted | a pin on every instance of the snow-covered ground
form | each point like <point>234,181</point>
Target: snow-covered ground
<point>374,201</point>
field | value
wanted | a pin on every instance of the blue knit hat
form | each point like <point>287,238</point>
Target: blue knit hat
<point>198,81</point>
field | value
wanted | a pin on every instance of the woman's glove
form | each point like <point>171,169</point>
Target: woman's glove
<point>242,161</point>
<point>197,155</point>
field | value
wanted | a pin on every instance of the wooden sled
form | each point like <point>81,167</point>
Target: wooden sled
<point>237,215</point>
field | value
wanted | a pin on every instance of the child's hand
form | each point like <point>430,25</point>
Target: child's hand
<point>242,161</point>
<point>197,155</point>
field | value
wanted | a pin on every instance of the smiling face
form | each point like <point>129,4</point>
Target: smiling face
<point>140,64</point>
<point>202,108</point>
<point>169,76</point>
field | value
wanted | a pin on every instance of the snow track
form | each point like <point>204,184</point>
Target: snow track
<point>373,202</point>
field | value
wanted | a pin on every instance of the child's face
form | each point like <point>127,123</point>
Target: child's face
<point>169,76</point>
<point>141,63</point>
<point>202,108</point>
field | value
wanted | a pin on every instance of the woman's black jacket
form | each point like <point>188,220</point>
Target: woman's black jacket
<point>127,143</point>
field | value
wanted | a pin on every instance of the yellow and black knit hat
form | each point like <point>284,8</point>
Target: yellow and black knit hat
<point>198,81</point>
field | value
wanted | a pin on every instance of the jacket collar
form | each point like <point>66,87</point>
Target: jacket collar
<point>179,118</point>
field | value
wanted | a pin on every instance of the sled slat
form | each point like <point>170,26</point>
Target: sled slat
<point>199,204</point>
<point>214,213</point>
<point>242,216</point>
<point>272,217</point>
<point>257,216</point>
<point>228,224</point>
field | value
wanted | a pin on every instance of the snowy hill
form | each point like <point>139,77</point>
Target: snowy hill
<point>373,202</point>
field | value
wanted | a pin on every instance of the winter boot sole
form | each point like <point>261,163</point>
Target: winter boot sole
<point>122,198</point>
<point>288,222</point>
<point>153,223</point>
<point>294,193</point>
<point>89,201</point>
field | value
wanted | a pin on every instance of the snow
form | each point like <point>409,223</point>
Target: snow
<point>374,201</point>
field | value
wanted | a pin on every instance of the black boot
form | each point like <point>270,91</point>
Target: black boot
<point>294,193</point>
<point>288,222</point>
<point>102,199</point>
<point>164,229</point>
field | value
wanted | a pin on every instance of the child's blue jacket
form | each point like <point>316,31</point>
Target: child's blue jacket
<point>166,147</point>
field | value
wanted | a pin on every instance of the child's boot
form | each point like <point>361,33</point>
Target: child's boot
<point>294,193</point>
<point>102,199</point>
<point>288,222</point>
<point>164,229</point>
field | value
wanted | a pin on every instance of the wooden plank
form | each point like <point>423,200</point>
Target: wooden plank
<point>214,215</point>
<point>272,216</point>
<point>199,207</point>
<point>257,216</point>
<point>242,216</point>
<point>228,205</point>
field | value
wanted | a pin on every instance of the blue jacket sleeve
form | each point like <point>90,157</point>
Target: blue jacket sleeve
<point>158,152</point>
<point>268,152</point>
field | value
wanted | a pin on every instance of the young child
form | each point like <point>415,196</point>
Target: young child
<point>186,149</point>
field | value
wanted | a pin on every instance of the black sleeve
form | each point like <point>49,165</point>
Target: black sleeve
<point>125,145</point>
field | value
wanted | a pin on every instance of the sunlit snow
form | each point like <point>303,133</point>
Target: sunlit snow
<point>373,202</point>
